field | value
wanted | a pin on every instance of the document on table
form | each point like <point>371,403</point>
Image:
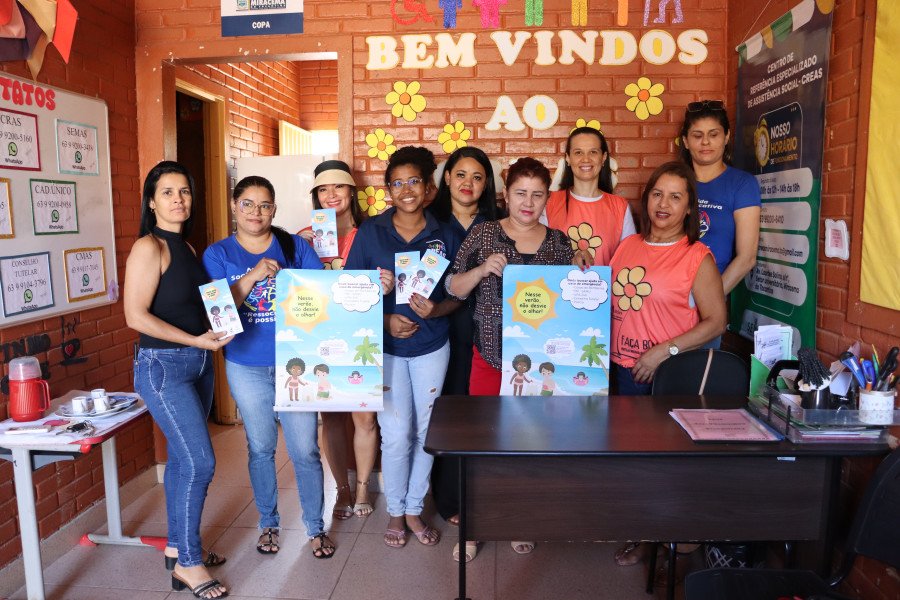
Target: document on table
<point>732,425</point>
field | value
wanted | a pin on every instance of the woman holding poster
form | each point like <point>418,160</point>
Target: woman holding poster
<point>250,259</point>
<point>729,200</point>
<point>584,207</point>
<point>173,370</point>
<point>334,188</point>
<point>666,291</point>
<point>416,346</point>
<point>517,239</point>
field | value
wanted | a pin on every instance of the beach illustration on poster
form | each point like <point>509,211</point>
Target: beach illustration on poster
<point>328,341</point>
<point>556,331</point>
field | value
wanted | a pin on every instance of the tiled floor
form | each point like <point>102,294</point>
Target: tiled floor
<point>362,568</point>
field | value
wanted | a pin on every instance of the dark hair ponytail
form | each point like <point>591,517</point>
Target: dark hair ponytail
<point>287,245</point>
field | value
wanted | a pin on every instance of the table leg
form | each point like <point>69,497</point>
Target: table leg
<point>462,529</point>
<point>31,542</point>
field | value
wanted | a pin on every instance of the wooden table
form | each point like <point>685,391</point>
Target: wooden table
<point>621,469</point>
<point>31,452</point>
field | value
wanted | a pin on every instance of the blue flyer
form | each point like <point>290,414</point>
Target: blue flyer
<point>556,331</point>
<point>328,342</point>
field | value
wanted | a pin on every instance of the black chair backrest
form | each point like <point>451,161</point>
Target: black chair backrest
<point>876,527</point>
<point>682,374</point>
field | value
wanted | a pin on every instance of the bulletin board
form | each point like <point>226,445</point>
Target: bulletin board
<point>57,242</point>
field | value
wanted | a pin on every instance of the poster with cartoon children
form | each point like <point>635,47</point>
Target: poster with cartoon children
<point>556,328</point>
<point>324,227</point>
<point>220,307</point>
<point>328,341</point>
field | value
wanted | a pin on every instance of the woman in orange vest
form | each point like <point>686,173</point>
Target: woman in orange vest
<point>594,219</point>
<point>667,291</point>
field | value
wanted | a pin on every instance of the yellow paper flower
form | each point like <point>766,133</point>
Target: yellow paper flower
<point>644,99</point>
<point>371,201</point>
<point>454,136</point>
<point>335,264</point>
<point>405,100</point>
<point>629,288</point>
<point>381,144</point>
<point>583,238</point>
<point>582,123</point>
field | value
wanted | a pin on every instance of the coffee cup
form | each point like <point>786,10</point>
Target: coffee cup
<point>101,403</point>
<point>81,405</point>
<point>876,408</point>
<point>98,393</point>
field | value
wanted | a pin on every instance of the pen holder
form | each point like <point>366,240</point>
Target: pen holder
<point>876,408</point>
<point>816,399</point>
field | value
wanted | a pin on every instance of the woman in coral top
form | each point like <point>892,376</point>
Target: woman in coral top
<point>334,187</point>
<point>594,219</point>
<point>667,291</point>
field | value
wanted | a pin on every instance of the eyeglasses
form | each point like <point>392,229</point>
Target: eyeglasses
<point>249,208</point>
<point>411,182</point>
<point>705,105</point>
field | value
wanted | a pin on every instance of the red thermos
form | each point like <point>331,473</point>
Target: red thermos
<point>29,395</point>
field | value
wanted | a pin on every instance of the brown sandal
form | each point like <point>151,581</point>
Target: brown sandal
<point>342,512</point>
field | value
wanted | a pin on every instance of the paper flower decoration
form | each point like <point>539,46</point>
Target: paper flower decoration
<point>405,100</point>
<point>381,144</point>
<point>454,136</point>
<point>594,123</point>
<point>371,201</point>
<point>630,289</point>
<point>583,238</point>
<point>644,99</point>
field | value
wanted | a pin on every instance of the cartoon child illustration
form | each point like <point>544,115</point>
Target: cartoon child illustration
<point>230,313</point>
<point>295,368</point>
<point>417,280</point>
<point>521,365</point>
<point>318,239</point>
<point>216,319</point>
<point>355,378</point>
<point>580,379</point>
<point>401,282</point>
<point>548,385</point>
<point>324,389</point>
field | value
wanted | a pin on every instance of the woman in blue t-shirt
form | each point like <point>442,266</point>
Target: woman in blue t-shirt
<point>416,349</point>
<point>729,198</point>
<point>250,259</point>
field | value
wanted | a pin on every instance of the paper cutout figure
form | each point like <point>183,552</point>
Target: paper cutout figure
<point>534,12</point>
<point>661,6</point>
<point>490,12</point>
<point>579,12</point>
<point>417,9</point>
<point>450,7</point>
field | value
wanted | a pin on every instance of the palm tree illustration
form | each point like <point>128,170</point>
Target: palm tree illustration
<point>591,353</point>
<point>365,354</point>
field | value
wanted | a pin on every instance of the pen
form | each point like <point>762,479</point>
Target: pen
<point>887,368</point>
<point>875,358</point>
<point>869,372</point>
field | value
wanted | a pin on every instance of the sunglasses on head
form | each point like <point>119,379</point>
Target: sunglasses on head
<point>705,105</point>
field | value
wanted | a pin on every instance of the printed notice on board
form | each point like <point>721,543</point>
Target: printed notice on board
<point>85,273</point>
<point>19,141</point>
<point>76,148</point>
<point>26,283</point>
<point>53,206</point>
<point>6,217</point>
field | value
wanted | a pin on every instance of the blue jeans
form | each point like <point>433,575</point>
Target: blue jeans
<point>411,386</point>
<point>177,386</point>
<point>253,389</point>
<point>628,386</point>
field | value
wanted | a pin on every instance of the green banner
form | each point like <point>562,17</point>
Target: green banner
<point>782,77</point>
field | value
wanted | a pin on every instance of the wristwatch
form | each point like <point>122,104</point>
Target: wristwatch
<point>673,349</point>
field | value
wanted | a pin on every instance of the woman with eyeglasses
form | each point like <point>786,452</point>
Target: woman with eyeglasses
<point>173,369</point>
<point>416,348</point>
<point>250,259</point>
<point>334,188</point>
<point>584,207</point>
<point>729,198</point>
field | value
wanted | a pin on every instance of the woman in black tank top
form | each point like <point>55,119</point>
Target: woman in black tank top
<point>173,366</point>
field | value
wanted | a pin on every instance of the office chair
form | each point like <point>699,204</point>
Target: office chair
<point>875,533</point>
<point>700,371</point>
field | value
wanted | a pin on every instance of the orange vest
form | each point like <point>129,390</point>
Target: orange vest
<point>594,226</point>
<point>651,295</point>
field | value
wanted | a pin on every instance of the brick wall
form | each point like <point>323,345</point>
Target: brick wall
<point>869,580</point>
<point>318,94</point>
<point>257,95</point>
<point>101,65</point>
